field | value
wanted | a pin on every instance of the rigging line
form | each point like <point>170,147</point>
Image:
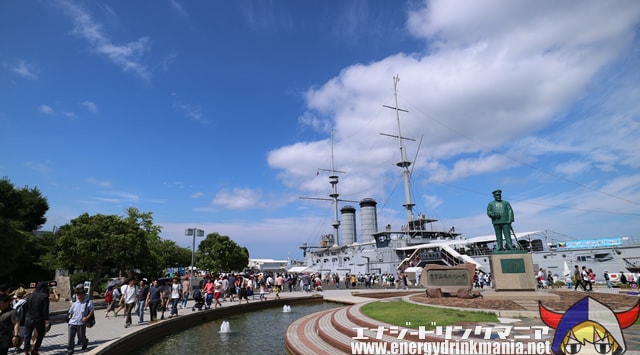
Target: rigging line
<point>547,205</point>
<point>523,163</point>
<point>390,194</point>
<point>413,165</point>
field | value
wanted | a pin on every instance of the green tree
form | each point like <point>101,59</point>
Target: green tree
<point>87,243</point>
<point>219,253</point>
<point>168,254</point>
<point>22,211</point>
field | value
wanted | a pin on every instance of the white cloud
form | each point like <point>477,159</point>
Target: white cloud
<point>191,111</point>
<point>572,168</point>
<point>47,110</point>
<point>90,106</point>
<point>519,96</point>
<point>127,56</point>
<point>498,73</point>
<point>101,183</point>
<point>238,198</point>
<point>179,8</point>
<point>117,197</point>
<point>168,60</point>
<point>197,195</point>
<point>39,167</point>
<point>26,70</point>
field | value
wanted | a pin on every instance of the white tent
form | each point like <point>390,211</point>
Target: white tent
<point>299,269</point>
<point>413,273</point>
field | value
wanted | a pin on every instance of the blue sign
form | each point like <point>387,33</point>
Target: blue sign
<point>590,243</point>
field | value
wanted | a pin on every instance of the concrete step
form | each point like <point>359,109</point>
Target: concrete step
<point>332,335</point>
<point>302,337</point>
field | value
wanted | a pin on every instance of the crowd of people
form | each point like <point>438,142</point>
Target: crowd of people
<point>24,318</point>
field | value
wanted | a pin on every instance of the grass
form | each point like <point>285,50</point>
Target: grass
<point>410,315</point>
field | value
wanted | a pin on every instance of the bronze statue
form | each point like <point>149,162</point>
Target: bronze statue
<point>501,216</point>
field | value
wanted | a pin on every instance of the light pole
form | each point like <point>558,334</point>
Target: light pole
<point>194,232</point>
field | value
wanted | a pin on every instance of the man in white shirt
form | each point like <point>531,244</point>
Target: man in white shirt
<point>128,299</point>
<point>79,313</point>
<point>176,294</point>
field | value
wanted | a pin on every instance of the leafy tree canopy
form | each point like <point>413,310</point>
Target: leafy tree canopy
<point>130,244</point>
<point>219,253</point>
<point>22,211</point>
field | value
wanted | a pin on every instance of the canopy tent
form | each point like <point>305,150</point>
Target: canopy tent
<point>299,269</point>
<point>417,269</point>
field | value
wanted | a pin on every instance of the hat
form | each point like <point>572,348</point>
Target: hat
<point>498,191</point>
<point>20,292</point>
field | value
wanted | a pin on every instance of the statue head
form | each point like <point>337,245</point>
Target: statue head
<point>497,194</point>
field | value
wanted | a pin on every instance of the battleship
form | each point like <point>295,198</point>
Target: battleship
<point>420,242</point>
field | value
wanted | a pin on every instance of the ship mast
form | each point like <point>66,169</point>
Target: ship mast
<point>404,163</point>
<point>333,180</point>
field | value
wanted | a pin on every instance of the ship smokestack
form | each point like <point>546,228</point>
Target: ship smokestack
<point>348,218</point>
<point>369,217</point>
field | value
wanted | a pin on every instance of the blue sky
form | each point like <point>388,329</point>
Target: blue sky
<point>218,115</point>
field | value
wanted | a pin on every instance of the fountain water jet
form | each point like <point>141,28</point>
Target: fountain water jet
<point>225,327</point>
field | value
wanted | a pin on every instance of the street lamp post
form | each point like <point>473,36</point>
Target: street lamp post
<point>193,232</point>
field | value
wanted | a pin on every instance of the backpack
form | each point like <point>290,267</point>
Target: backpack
<point>91,321</point>
<point>117,294</point>
<point>20,313</point>
<point>108,297</point>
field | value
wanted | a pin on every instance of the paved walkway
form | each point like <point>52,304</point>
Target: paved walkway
<point>110,329</point>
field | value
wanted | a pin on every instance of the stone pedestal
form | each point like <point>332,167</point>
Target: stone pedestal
<point>512,271</point>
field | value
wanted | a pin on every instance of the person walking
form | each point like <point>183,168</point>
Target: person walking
<point>218,289</point>
<point>9,325</point>
<point>232,288</point>
<point>208,291</point>
<point>550,280</point>
<point>79,313</point>
<point>578,276</point>
<point>128,300</point>
<point>141,298</point>
<point>592,279</point>
<point>243,283</point>
<point>36,316</point>
<point>186,291</point>
<point>110,300</point>
<point>154,299</point>
<point>166,297</point>
<point>586,279</point>
<point>18,305</point>
<point>176,295</point>
<point>607,278</point>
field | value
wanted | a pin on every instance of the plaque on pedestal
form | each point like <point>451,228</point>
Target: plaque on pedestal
<point>512,272</point>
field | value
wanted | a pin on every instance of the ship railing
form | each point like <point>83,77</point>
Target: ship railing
<point>448,258</point>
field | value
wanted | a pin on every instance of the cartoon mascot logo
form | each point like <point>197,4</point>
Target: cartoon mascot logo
<point>588,327</point>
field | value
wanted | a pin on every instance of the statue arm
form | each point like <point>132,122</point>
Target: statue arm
<point>511,215</point>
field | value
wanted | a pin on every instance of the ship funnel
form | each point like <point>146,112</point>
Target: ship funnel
<point>348,225</point>
<point>369,219</point>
